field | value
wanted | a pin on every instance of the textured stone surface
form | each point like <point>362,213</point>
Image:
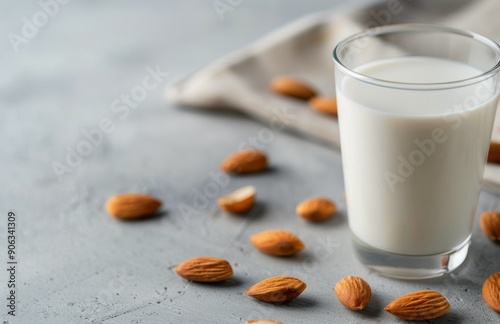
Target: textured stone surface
<point>77,265</point>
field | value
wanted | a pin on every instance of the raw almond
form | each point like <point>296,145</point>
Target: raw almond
<point>491,292</point>
<point>132,205</point>
<point>419,306</point>
<point>266,321</point>
<point>292,87</point>
<point>490,224</point>
<point>245,161</point>
<point>316,209</point>
<point>353,292</point>
<point>205,269</point>
<point>324,105</point>
<point>494,152</point>
<point>277,242</point>
<point>277,289</point>
<point>238,201</point>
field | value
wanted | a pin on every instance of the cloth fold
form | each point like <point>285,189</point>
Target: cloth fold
<point>304,48</point>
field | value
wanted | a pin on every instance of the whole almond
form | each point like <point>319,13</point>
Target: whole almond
<point>205,269</point>
<point>132,205</point>
<point>490,224</point>
<point>292,87</point>
<point>245,161</point>
<point>316,209</point>
<point>419,306</point>
<point>491,291</point>
<point>277,242</point>
<point>325,105</point>
<point>277,289</point>
<point>494,152</point>
<point>266,321</point>
<point>353,292</point>
<point>238,201</point>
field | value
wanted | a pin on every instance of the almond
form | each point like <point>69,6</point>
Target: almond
<point>490,224</point>
<point>494,152</point>
<point>419,306</point>
<point>316,209</point>
<point>238,201</point>
<point>132,205</point>
<point>491,292</point>
<point>245,161</point>
<point>266,321</point>
<point>277,242</point>
<point>324,105</point>
<point>277,289</point>
<point>205,269</point>
<point>353,292</point>
<point>292,87</point>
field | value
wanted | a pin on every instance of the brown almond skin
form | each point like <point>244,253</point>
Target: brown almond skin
<point>353,292</point>
<point>324,105</point>
<point>490,224</point>
<point>245,161</point>
<point>205,269</point>
<point>277,289</point>
<point>132,205</point>
<point>277,242</point>
<point>316,209</point>
<point>494,152</point>
<point>419,306</point>
<point>491,292</point>
<point>266,321</point>
<point>236,206</point>
<point>292,87</point>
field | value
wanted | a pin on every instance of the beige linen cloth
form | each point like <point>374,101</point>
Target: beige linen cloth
<point>304,48</point>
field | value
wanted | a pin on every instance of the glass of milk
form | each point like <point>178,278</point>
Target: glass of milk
<point>416,109</point>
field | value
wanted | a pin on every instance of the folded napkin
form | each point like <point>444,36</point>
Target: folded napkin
<point>304,48</point>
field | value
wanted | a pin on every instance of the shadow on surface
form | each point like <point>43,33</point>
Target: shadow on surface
<point>234,281</point>
<point>152,217</point>
<point>450,317</point>
<point>256,212</point>
<point>270,170</point>
<point>374,307</point>
<point>296,304</point>
<point>337,219</point>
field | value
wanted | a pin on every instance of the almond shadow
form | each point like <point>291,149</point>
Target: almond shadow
<point>234,281</point>
<point>336,219</point>
<point>256,212</point>
<point>152,217</point>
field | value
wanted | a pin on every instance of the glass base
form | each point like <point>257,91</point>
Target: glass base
<point>410,266</point>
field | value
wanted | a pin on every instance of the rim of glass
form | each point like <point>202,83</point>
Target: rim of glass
<point>409,28</point>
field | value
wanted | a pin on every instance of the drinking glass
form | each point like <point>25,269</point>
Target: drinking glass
<point>416,109</point>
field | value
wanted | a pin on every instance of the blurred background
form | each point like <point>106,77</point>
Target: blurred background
<point>64,75</point>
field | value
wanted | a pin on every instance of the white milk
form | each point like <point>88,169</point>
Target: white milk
<point>414,160</point>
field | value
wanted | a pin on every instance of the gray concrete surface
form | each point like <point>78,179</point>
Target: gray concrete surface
<point>77,265</point>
